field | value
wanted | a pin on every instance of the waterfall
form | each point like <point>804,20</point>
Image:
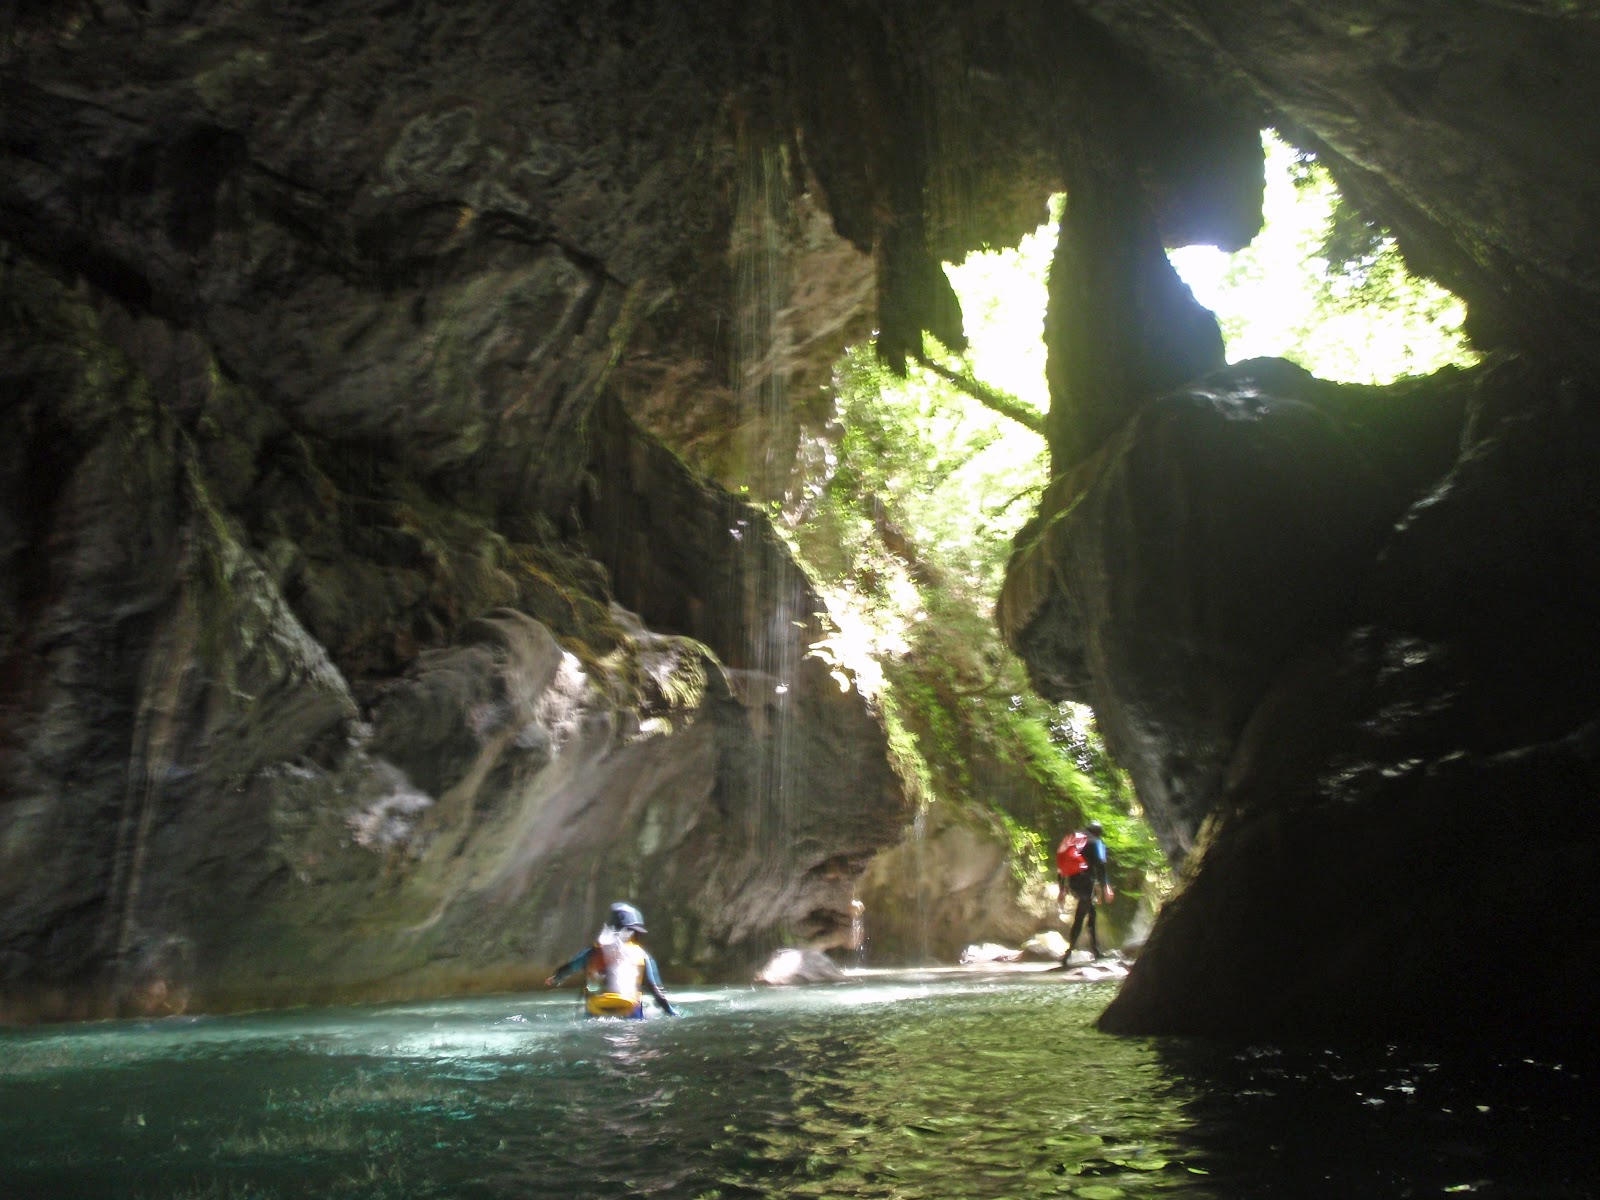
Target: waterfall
<point>772,587</point>
<point>922,882</point>
<point>764,213</point>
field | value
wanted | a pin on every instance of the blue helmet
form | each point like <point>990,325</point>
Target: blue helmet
<point>626,916</point>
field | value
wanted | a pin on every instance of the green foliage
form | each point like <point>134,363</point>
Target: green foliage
<point>1030,851</point>
<point>1348,239</point>
<point>929,468</point>
<point>907,537</point>
<point>906,753</point>
<point>909,531</point>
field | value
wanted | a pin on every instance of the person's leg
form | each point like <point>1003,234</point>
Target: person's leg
<point>1084,909</point>
<point>1094,925</point>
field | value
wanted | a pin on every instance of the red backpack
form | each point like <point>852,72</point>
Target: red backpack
<point>1069,855</point>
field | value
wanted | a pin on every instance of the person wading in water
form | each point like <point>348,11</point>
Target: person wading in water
<point>1081,866</point>
<point>617,970</point>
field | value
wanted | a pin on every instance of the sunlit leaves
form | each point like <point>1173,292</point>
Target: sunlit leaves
<point>909,536</point>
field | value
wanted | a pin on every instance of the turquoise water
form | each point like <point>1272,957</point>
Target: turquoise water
<point>934,1085</point>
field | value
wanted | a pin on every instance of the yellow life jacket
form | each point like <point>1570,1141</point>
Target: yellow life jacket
<point>615,983</point>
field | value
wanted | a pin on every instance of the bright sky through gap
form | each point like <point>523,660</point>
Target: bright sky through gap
<point>1263,306</point>
<point>1272,298</point>
<point>1202,268</point>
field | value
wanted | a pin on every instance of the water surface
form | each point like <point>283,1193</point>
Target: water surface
<point>932,1085</point>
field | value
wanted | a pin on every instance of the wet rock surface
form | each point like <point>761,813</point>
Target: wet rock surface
<point>1225,526</point>
<point>1314,621</point>
<point>1345,666</point>
<point>295,729</point>
<point>1389,768</point>
<point>791,966</point>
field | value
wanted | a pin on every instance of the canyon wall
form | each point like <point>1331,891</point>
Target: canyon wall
<point>1339,634</point>
<point>362,636</point>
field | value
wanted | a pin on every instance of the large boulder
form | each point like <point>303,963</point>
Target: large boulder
<point>1345,649</point>
<point>1168,577</point>
<point>951,881</point>
<point>791,966</point>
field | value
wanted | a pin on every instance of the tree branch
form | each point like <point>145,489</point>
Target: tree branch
<point>1003,403</point>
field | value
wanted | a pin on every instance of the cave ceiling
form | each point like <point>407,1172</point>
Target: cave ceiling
<point>480,172</point>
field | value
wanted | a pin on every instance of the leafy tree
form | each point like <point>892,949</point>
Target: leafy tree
<point>908,534</point>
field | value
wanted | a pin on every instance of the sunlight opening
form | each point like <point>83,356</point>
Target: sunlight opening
<point>1363,320</point>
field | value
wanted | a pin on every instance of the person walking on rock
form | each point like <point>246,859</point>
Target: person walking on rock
<point>1081,868</point>
<point>617,970</point>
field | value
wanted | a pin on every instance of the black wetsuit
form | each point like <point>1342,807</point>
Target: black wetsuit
<point>1082,888</point>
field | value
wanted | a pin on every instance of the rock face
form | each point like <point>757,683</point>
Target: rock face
<point>1413,691</point>
<point>1336,634</point>
<point>1463,128</point>
<point>1220,530</point>
<point>358,641</point>
<point>359,637</point>
<point>948,884</point>
<point>281,727</point>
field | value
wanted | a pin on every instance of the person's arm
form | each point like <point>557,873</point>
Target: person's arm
<point>652,984</point>
<point>1100,863</point>
<point>571,967</point>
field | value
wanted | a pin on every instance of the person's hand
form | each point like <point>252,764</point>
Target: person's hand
<point>1110,895</point>
<point>551,982</point>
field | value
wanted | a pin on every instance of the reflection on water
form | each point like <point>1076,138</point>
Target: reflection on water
<point>913,1086</point>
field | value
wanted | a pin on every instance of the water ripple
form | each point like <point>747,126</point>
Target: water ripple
<point>897,1089</point>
